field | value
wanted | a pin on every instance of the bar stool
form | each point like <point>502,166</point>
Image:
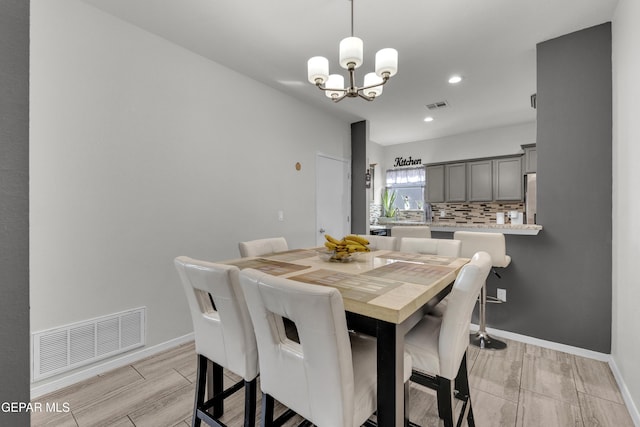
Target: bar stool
<point>262,247</point>
<point>224,336</point>
<point>494,244</point>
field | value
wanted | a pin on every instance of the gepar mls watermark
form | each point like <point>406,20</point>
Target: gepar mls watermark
<point>16,407</point>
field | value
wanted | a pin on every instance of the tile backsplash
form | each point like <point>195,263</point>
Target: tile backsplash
<point>414,215</point>
<point>375,211</point>
<point>478,213</point>
<point>411,215</point>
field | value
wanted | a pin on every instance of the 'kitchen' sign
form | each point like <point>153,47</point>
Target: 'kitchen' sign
<point>401,161</point>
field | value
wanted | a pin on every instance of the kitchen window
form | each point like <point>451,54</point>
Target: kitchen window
<point>408,184</point>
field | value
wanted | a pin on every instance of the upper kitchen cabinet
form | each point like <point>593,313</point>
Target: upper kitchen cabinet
<point>530,158</point>
<point>507,178</point>
<point>435,184</point>
<point>480,181</point>
<point>455,182</point>
<point>476,180</point>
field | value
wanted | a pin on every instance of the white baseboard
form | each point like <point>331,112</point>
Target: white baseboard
<point>603,357</point>
<point>100,368</point>
<point>577,351</point>
<point>631,406</point>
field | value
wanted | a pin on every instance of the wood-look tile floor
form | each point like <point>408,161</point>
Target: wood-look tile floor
<point>522,386</point>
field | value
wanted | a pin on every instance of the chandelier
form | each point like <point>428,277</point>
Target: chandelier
<point>351,54</point>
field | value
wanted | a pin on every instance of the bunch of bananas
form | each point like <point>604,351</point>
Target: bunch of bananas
<point>346,246</point>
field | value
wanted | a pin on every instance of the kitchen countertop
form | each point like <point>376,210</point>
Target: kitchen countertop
<point>523,229</point>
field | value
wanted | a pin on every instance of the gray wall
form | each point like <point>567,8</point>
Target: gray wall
<point>14,207</point>
<point>559,282</point>
<point>575,188</point>
<point>359,205</point>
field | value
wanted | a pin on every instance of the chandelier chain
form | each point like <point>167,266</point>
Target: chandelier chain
<point>352,1</point>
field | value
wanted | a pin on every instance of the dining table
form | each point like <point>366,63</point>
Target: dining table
<point>385,293</point>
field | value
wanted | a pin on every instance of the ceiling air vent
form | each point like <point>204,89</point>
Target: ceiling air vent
<point>437,105</point>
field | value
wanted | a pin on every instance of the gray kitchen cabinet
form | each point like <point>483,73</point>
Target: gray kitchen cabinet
<point>455,182</point>
<point>480,181</point>
<point>530,158</point>
<point>435,184</point>
<point>507,178</point>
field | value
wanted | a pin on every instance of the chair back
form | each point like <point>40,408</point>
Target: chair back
<point>442,247</point>
<point>492,243</point>
<point>454,331</point>
<point>411,231</point>
<point>221,321</point>
<point>314,377</point>
<point>261,247</point>
<point>382,243</point>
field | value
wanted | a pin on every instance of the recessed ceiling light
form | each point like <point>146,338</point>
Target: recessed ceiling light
<point>455,79</point>
<point>428,119</point>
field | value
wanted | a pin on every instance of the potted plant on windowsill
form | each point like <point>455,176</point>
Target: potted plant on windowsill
<point>388,210</point>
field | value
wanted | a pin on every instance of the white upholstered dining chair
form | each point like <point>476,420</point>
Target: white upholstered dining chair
<point>329,377</point>
<point>423,231</point>
<point>262,247</point>
<point>224,336</point>
<point>381,243</point>
<point>442,247</point>
<point>438,345</point>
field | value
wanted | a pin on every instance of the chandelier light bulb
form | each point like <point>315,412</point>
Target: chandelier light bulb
<point>318,69</point>
<point>351,51</point>
<point>387,62</point>
<point>372,79</point>
<point>335,86</point>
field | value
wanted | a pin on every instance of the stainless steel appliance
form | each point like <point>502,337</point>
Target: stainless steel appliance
<point>530,196</point>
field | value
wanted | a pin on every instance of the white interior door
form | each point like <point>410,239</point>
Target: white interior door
<point>333,197</point>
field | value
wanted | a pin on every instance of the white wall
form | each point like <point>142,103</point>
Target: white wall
<point>142,151</point>
<point>626,203</point>
<point>485,143</point>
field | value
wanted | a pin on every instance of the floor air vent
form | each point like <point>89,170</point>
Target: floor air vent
<point>71,346</point>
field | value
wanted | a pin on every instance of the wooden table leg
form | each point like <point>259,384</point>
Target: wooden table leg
<point>390,351</point>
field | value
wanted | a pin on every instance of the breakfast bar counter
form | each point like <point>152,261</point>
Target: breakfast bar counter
<point>531,229</point>
<point>522,229</point>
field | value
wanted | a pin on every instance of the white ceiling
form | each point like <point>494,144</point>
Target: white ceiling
<point>491,43</point>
